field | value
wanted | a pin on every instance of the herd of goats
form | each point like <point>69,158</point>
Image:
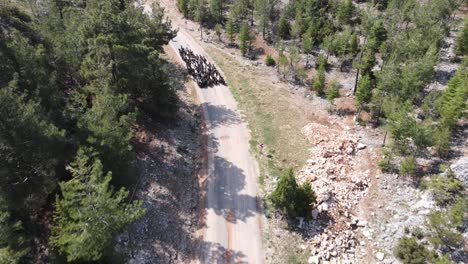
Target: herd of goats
<point>204,73</point>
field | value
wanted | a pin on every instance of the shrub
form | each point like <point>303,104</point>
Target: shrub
<point>408,166</point>
<point>364,90</point>
<point>319,82</point>
<point>462,40</point>
<point>292,199</point>
<point>321,61</point>
<point>218,30</point>
<point>443,231</point>
<point>244,38</point>
<point>283,27</point>
<point>418,233</point>
<point>446,189</point>
<point>457,212</point>
<point>385,163</point>
<point>410,251</point>
<point>269,61</point>
<point>334,91</point>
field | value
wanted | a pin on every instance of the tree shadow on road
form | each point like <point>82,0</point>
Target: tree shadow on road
<point>228,182</point>
<point>217,254</point>
<point>221,116</point>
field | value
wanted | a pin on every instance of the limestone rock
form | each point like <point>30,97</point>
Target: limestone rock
<point>460,170</point>
<point>380,256</point>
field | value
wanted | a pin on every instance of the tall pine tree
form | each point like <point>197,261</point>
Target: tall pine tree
<point>90,212</point>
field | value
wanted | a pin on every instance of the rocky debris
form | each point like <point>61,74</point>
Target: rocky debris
<point>333,162</point>
<point>169,189</point>
<point>334,246</point>
<point>401,205</point>
<point>460,170</point>
<point>204,73</point>
<point>339,182</point>
<point>448,64</point>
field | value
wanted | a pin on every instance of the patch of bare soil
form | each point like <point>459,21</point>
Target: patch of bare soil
<point>168,160</point>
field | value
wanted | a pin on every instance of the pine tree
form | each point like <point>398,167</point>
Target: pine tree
<point>31,148</point>
<point>319,83</point>
<point>462,40</point>
<point>218,28</point>
<point>216,9</point>
<point>354,43</point>
<point>291,198</point>
<point>244,38</point>
<point>300,26</point>
<point>307,46</point>
<point>230,30</point>
<point>283,27</point>
<point>364,90</point>
<point>12,241</point>
<point>90,212</point>
<point>345,11</point>
<point>182,5</point>
<point>263,10</point>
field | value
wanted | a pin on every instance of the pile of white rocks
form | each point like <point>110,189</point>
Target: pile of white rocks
<point>337,178</point>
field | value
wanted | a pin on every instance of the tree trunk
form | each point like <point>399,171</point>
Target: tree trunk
<point>383,63</point>
<point>252,16</point>
<point>357,74</point>
<point>358,115</point>
<point>384,139</point>
<point>356,82</point>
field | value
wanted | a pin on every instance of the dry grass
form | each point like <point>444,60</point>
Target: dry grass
<point>271,118</point>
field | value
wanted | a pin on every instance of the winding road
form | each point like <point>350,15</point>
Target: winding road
<point>232,221</point>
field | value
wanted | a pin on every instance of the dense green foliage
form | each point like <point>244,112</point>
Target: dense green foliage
<point>410,251</point>
<point>90,212</point>
<point>333,91</point>
<point>446,189</point>
<point>244,38</point>
<point>364,90</point>
<point>269,61</point>
<point>75,75</point>
<point>230,30</point>
<point>291,198</point>
<point>12,241</point>
<point>462,40</point>
<point>443,231</point>
<point>283,27</point>
<point>408,166</point>
<point>319,81</point>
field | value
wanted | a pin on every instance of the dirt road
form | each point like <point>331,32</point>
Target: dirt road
<point>232,221</point>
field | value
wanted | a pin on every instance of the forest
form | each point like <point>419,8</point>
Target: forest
<point>78,75</point>
<point>75,77</point>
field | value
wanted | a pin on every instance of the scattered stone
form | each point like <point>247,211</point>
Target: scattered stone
<point>315,213</point>
<point>361,223</point>
<point>361,146</point>
<point>460,170</point>
<point>313,260</point>
<point>380,256</point>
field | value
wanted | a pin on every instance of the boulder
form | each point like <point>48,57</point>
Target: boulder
<point>361,146</point>
<point>315,213</point>
<point>313,260</point>
<point>380,256</point>
<point>361,223</point>
<point>460,170</point>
